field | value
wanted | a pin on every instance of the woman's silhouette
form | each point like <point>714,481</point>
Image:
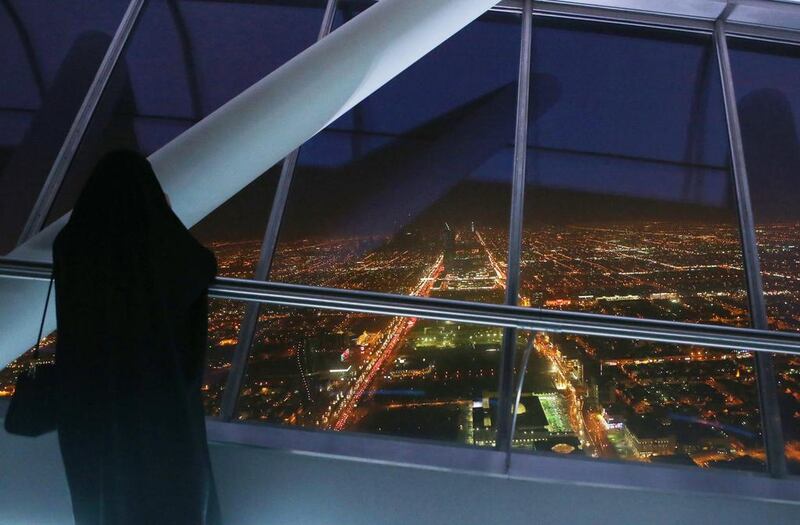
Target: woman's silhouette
<point>131,305</point>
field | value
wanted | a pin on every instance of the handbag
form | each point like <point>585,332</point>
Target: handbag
<point>32,411</point>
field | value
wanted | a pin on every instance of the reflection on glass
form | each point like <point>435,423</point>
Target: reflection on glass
<point>639,401</point>
<point>50,55</point>
<point>765,80</point>
<point>365,373</point>
<point>408,193</point>
<point>629,203</point>
<point>184,60</point>
<point>630,211</point>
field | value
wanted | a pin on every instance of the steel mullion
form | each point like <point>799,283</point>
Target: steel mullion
<point>247,330</point>
<point>504,409</point>
<point>80,124</point>
<point>523,366</point>
<point>765,371</point>
<point>230,394</point>
<point>506,379</point>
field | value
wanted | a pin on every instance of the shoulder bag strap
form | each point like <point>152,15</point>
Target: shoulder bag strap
<point>41,325</point>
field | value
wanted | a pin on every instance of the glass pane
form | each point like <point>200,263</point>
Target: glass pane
<point>8,375</point>
<point>765,79</point>
<point>629,202</point>
<point>224,318</point>
<point>185,59</point>
<point>50,54</point>
<point>630,211</point>
<point>224,321</point>
<point>409,192</point>
<point>639,401</point>
<point>366,373</point>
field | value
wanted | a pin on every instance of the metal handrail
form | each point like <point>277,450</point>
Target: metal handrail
<point>555,321</point>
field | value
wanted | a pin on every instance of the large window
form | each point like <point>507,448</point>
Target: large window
<point>409,192</point>
<point>768,94</point>
<point>51,50</point>
<point>630,225</point>
<point>185,59</point>
<point>630,204</point>
<point>629,210</point>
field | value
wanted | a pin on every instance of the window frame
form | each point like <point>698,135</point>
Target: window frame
<point>775,484</point>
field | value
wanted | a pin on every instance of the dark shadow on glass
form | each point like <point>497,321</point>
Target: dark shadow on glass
<point>409,192</point>
<point>24,169</point>
<point>183,60</point>
<point>765,77</point>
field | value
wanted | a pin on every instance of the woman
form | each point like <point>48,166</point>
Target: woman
<point>131,306</point>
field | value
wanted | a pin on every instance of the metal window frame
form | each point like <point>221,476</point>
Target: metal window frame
<point>666,19</point>
<point>505,406</point>
<point>760,341</point>
<point>439,456</point>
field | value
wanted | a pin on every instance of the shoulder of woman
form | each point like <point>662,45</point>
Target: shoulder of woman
<point>211,258</point>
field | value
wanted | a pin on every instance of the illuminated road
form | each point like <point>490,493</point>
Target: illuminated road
<point>563,381</point>
<point>586,424</point>
<point>393,337</point>
<point>500,273</point>
<point>598,436</point>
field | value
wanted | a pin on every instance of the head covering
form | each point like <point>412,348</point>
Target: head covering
<point>122,224</point>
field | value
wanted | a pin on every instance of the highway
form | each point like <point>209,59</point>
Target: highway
<point>392,337</point>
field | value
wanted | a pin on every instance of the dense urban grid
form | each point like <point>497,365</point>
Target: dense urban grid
<point>582,395</point>
<point>598,397</point>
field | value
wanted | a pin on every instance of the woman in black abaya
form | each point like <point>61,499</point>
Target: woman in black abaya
<point>131,304</point>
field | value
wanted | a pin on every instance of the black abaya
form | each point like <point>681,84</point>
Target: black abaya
<point>131,305</point>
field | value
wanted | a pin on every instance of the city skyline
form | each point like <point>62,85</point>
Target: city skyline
<point>434,380</point>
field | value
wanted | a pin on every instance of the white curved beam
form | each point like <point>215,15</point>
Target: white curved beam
<point>209,163</point>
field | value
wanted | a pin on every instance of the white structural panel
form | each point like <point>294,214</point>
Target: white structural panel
<point>220,155</point>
